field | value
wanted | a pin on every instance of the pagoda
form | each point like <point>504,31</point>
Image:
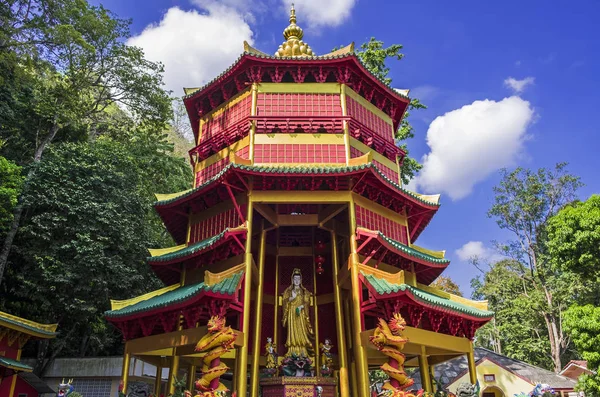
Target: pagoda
<point>296,243</point>
<point>16,377</point>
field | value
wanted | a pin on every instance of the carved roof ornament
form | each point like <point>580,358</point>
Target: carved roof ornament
<point>293,46</point>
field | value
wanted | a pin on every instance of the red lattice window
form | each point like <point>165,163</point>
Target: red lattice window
<point>215,225</point>
<point>392,174</point>
<point>291,104</point>
<point>208,172</point>
<point>373,221</point>
<point>244,152</point>
<point>388,172</point>
<point>370,119</point>
<point>231,115</point>
<point>299,153</point>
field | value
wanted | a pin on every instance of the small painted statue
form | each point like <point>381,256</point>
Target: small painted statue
<point>326,358</point>
<point>270,354</point>
<point>64,389</point>
<point>468,390</point>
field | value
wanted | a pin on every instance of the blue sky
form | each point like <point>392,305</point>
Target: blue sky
<point>459,57</point>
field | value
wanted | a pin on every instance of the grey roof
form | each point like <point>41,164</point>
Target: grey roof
<point>452,369</point>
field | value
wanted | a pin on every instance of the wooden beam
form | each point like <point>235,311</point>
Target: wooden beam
<point>330,212</point>
<point>295,196</point>
<point>295,251</point>
<point>298,220</point>
<point>429,339</point>
<point>173,339</point>
<point>343,276</point>
<point>267,213</point>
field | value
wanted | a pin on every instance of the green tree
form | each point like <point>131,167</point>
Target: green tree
<point>518,330</point>
<point>524,202</point>
<point>583,325</point>
<point>574,246</point>
<point>68,64</point>
<point>10,186</point>
<point>84,239</point>
<point>574,238</point>
<point>445,283</point>
<point>374,56</point>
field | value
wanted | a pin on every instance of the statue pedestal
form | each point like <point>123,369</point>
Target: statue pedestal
<point>289,386</point>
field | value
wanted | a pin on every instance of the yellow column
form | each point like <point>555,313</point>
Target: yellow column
<point>316,314</point>
<point>173,369</point>
<point>360,354</point>
<point>254,378</point>
<point>253,125</point>
<point>125,370</point>
<point>432,375</point>
<point>13,384</point>
<point>158,381</point>
<point>424,368</point>
<point>191,377</point>
<point>354,381</point>
<point>339,321</point>
<point>345,123</point>
<point>242,382</point>
<point>276,304</point>
<point>471,362</point>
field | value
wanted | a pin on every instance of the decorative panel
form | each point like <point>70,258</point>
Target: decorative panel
<point>392,174</point>
<point>244,152</point>
<point>299,153</point>
<point>209,171</point>
<point>369,119</point>
<point>231,115</point>
<point>298,104</point>
<point>215,224</point>
<point>373,221</point>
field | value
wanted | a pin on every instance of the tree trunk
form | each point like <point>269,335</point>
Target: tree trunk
<point>18,212</point>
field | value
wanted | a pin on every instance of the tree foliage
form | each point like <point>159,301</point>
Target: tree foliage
<point>11,182</point>
<point>374,56</point>
<point>525,200</point>
<point>574,247</point>
<point>84,239</point>
<point>445,283</point>
<point>66,63</point>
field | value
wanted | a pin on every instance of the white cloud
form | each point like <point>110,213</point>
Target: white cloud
<point>195,47</point>
<point>320,13</point>
<point>518,86</point>
<point>470,143</point>
<point>425,93</point>
<point>476,249</point>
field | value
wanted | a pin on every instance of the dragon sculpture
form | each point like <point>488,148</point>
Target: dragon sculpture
<point>467,390</point>
<point>388,339</point>
<point>218,341</point>
<point>64,389</point>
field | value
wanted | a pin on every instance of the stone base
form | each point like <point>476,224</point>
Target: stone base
<point>289,386</point>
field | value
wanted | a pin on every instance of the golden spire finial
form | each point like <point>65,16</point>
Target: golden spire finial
<point>293,45</point>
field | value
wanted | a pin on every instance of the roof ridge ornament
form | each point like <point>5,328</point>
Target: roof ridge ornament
<point>293,46</point>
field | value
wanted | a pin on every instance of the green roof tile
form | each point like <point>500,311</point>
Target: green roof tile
<point>14,364</point>
<point>189,250</point>
<point>299,170</point>
<point>413,252</point>
<point>227,286</point>
<point>383,287</point>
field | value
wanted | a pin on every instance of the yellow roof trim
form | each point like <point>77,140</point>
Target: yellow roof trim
<point>162,251</point>
<point>436,254</point>
<point>342,51</point>
<point>169,196</point>
<point>361,160</point>
<point>481,305</point>
<point>235,159</point>
<point>248,48</point>
<point>119,304</point>
<point>392,278</point>
<point>188,91</point>
<point>432,198</point>
<point>215,278</point>
<point>33,324</point>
